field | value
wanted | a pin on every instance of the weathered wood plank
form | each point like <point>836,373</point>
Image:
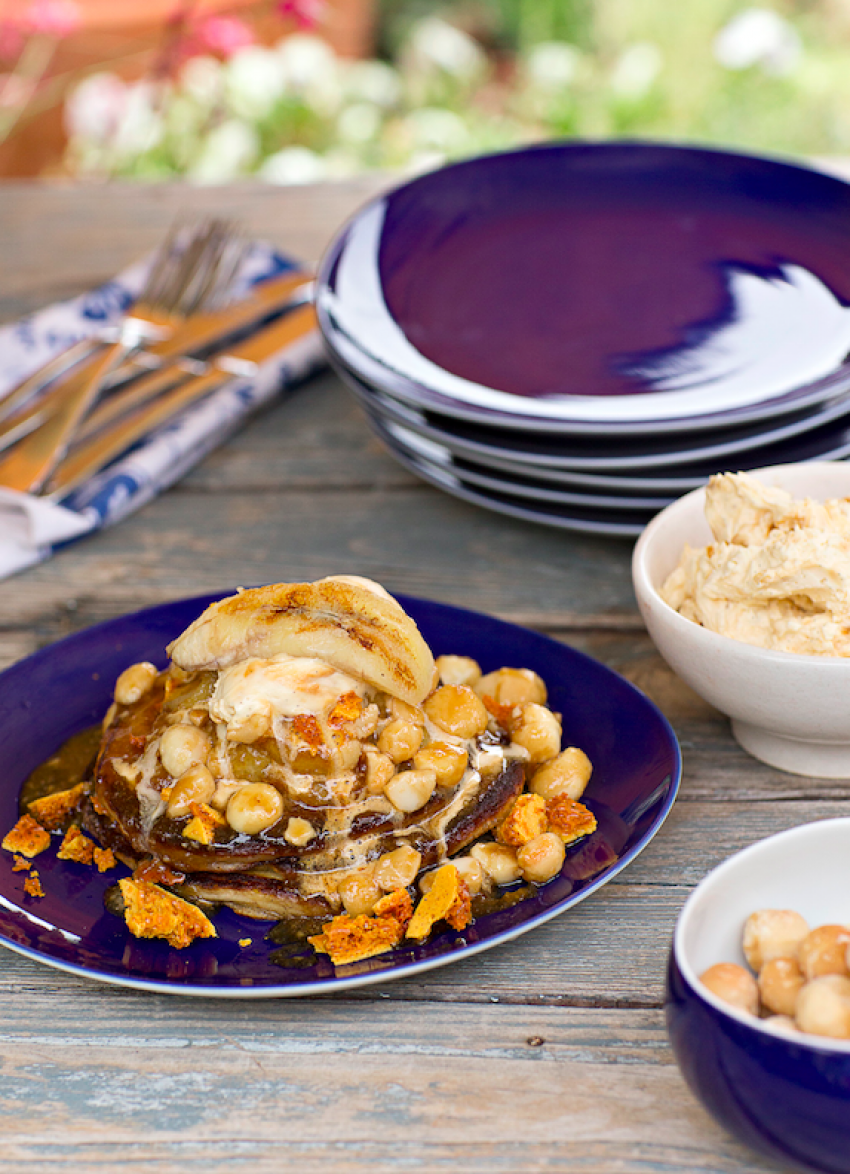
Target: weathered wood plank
<point>15,645</point>
<point>595,1086</point>
<point>316,439</point>
<point>421,1156</point>
<point>57,240</point>
<point>412,539</point>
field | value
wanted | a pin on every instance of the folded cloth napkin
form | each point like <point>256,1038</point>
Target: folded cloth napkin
<point>31,528</point>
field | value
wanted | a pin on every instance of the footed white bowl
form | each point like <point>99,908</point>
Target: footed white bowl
<point>789,710</point>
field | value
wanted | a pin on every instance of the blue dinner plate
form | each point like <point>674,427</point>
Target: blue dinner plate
<point>68,686</point>
<point>721,448</point>
<point>580,515</point>
<point>599,288</point>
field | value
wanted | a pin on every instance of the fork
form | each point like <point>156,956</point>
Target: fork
<point>100,446</point>
<point>189,272</point>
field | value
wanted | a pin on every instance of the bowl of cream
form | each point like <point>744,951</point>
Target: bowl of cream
<point>744,586</point>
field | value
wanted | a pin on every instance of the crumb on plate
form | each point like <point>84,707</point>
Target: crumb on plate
<point>75,846</point>
<point>351,939</point>
<point>27,838</point>
<point>447,899</point>
<point>52,810</point>
<point>202,827</point>
<point>569,818</point>
<point>525,820</point>
<point>104,859</point>
<point>151,912</point>
<point>32,885</point>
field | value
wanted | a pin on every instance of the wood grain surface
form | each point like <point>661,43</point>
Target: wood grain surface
<point>546,1054</point>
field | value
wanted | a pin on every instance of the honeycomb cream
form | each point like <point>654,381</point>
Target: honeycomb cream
<point>777,574</point>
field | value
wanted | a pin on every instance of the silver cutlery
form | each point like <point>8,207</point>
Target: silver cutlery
<point>103,445</point>
<point>186,275</point>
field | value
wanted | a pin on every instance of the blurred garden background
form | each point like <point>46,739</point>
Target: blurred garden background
<point>293,91</point>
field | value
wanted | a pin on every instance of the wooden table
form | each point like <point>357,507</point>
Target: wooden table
<point>548,1053</point>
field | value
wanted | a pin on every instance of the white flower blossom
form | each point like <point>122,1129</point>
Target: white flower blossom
<point>255,78</point>
<point>201,79</point>
<point>551,65</point>
<point>140,126</point>
<point>341,163</point>
<point>636,70</point>
<point>312,72</point>
<point>306,59</point>
<point>93,108</point>
<point>438,130</point>
<point>359,123</point>
<point>421,161</point>
<point>294,165</point>
<point>183,121</point>
<point>228,151</point>
<point>758,36</point>
<point>436,43</point>
<point>373,81</point>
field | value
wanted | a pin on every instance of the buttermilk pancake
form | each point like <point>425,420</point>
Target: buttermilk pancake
<point>304,756</point>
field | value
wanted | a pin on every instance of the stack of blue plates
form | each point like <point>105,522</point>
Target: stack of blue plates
<point>575,334</point>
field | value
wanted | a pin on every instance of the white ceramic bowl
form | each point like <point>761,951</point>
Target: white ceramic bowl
<point>784,1093</point>
<point>789,710</point>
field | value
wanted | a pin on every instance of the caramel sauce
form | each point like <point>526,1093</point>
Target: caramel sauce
<point>72,763</point>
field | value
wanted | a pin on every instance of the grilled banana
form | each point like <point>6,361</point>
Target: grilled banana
<point>349,623</point>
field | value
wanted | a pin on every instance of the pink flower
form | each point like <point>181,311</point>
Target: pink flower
<point>56,18</point>
<point>306,13</point>
<point>11,41</point>
<point>224,34</point>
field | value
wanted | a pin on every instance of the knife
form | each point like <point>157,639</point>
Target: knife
<point>93,454</point>
<point>32,459</point>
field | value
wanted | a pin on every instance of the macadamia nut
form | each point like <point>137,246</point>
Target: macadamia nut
<point>824,951</point>
<point>780,981</point>
<point>733,985</point>
<point>772,933</point>
<point>823,1006</point>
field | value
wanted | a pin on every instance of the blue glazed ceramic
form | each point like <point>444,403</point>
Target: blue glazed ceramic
<point>68,686</point>
<point>615,520</point>
<point>590,288</point>
<point>817,433</point>
<point>786,1095</point>
<point>521,476</point>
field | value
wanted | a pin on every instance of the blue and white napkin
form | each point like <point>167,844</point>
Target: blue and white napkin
<point>31,528</point>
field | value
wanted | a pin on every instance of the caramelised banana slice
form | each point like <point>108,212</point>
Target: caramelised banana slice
<point>351,624</point>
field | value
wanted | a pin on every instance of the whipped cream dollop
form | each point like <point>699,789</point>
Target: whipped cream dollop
<point>777,574</point>
<point>283,685</point>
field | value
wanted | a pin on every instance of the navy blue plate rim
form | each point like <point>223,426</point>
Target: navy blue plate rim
<point>67,686</point>
<point>577,519</point>
<point>659,479</point>
<point>520,485</point>
<point>700,452</point>
<point>350,350</point>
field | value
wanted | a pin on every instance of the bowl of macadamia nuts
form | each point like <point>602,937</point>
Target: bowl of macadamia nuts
<point>758,995</point>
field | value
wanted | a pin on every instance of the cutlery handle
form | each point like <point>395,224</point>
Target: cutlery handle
<point>18,398</point>
<point>96,453</point>
<point>34,458</point>
<point>92,455</point>
<point>196,333</point>
<point>144,387</point>
<point>118,406</point>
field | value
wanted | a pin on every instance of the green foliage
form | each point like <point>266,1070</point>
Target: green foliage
<point>480,75</point>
